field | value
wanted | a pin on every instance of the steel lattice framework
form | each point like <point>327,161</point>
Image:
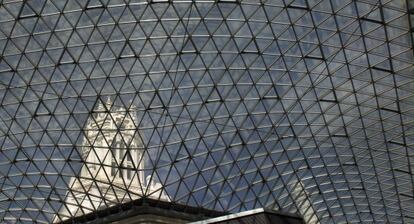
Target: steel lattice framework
<point>303,106</point>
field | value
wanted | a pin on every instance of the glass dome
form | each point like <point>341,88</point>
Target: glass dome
<point>302,106</point>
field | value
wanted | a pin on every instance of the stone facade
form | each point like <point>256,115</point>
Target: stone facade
<point>114,164</point>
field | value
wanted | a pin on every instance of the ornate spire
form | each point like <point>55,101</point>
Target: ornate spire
<point>100,106</point>
<point>108,103</point>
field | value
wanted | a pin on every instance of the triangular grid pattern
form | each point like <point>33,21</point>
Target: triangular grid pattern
<point>304,106</point>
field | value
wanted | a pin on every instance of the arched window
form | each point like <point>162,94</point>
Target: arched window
<point>120,151</point>
<point>114,148</point>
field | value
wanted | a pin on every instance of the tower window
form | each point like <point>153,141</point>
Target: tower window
<point>129,172</point>
<point>113,167</point>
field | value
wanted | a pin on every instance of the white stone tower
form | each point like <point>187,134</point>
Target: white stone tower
<point>303,202</point>
<point>113,150</point>
<point>113,170</point>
